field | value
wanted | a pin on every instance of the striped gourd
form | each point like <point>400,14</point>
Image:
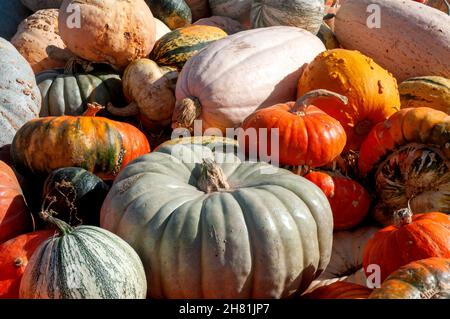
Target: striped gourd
<point>86,262</point>
<point>429,91</point>
<point>178,46</point>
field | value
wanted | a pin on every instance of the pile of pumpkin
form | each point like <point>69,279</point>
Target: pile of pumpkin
<point>358,209</point>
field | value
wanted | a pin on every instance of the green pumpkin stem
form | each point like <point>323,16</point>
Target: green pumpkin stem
<point>307,99</point>
<point>73,63</point>
<point>212,177</point>
<point>63,227</point>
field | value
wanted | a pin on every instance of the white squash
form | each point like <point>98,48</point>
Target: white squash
<point>161,29</point>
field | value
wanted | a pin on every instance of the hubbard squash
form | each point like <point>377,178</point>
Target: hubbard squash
<point>36,5</point>
<point>112,31</point>
<point>194,213</point>
<point>38,40</point>
<point>20,100</point>
<point>340,290</point>
<point>230,26</point>
<point>84,262</point>
<point>372,92</point>
<point>429,91</point>
<point>12,13</point>
<point>422,50</point>
<point>305,14</point>
<point>174,13</point>
<point>97,144</point>
<point>178,46</point>
<point>232,77</point>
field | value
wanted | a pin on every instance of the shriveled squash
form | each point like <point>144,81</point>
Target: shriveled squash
<point>38,40</point>
<point>112,31</point>
<point>372,92</point>
<point>193,213</point>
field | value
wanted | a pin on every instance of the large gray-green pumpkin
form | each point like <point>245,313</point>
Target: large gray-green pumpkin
<point>12,12</point>
<point>36,5</point>
<point>236,9</point>
<point>84,263</point>
<point>67,92</point>
<point>20,100</point>
<point>305,14</point>
<point>219,228</point>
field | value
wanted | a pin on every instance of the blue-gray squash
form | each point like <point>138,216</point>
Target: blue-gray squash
<point>20,99</point>
<point>36,5</point>
<point>12,12</point>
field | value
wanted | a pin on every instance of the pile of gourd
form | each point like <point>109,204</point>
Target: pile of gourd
<point>98,199</point>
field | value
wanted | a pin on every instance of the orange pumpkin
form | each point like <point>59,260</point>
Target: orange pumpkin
<point>14,256</point>
<point>349,201</point>
<point>339,290</point>
<point>372,91</point>
<point>411,238</point>
<point>15,218</point>
<point>307,136</point>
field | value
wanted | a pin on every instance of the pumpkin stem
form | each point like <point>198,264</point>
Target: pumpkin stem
<point>307,99</point>
<point>186,112</point>
<point>92,109</point>
<point>403,217</point>
<point>75,62</point>
<point>131,109</point>
<point>63,227</point>
<point>212,177</point>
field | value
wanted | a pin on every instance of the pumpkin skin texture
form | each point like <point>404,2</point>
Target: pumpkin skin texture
<point>14,256</point>
<point>38,40</point>
<point>12,13</point>
<point>36,5</point>
<point>228,25</point>
<point>308,136</point>
<point>305,14</point>
<point>161,29</point>
<point>178,46</point>
<point>68,91</point>
<point>349,200</point>
<point>151,92</point>
<point>340,290</point>
<point>15,218</point>
<point>199,9</point>
<point>75,195</point>
<point>417,237</point>
<point>20,100</point>
<point>371,91</point>
<point>222,92</point>
<point>86,262</point>
<point>99,145</point>
<point>236,9</point>
<point>226,217</point>
<point>174,13</point>
<point>422,51</point>
<point>112,31</point>
<point>422,279</point>
<point>426,91</point>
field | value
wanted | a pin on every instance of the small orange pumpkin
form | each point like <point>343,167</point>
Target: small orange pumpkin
<point>340,290</point>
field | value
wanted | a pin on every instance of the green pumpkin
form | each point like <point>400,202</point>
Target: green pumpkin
<point>191,214</point>
<point>68,91</point>
<point>178,46</point>
<point>75,195</point>
<point>174,13</point>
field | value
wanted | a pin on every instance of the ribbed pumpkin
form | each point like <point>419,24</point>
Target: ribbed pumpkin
<point>14,256</point>
<point>409,157</point>
<point>426,91</point>
<point>236,9</point>
<point>151,92</point>
<point>305,14</point>
<point>74,195</point>
<point>199,9</point>
<point>38,40</point>
<point>193,213</point>
<point>371,91</point>
<point>411,238</point>
<point>340,290</point>
<point>15,218</point>
<point>232,77</point>
<point>11,13</point>
<point>423,279</point>
<point>230,26</point>
<point>20,100</point>
<point>112,31</point>
<point>36,5</point>
<point>348,199</point>
<point>174,13</point>
<point>85,262</point>
<point>178,46</point>
<point>307,135</point>
<point>97,144</point>
<point>68,91</point>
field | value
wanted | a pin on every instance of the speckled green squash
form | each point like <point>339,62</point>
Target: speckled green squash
<point>174,13</point>
<point>178,46</point>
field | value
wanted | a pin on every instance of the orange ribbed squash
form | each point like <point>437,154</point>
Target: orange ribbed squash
<point>372,91</point>
<point>340,290</point>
